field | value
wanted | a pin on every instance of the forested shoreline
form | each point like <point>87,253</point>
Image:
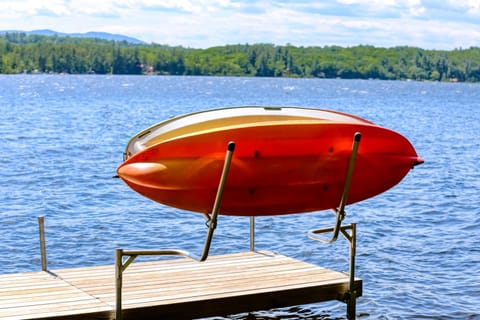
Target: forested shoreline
<point>21,53</point>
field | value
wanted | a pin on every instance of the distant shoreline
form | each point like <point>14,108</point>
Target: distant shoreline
<point>22,53</point>
<point>168,75</point>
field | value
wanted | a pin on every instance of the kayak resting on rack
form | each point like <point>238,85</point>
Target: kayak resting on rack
<point>286,160</point>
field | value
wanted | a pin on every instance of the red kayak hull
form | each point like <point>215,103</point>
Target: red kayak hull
<point>278,167</point>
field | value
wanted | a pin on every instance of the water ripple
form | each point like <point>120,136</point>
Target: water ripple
<point>418,244</point>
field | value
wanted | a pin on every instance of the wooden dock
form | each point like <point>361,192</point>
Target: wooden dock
<point>178,288</point>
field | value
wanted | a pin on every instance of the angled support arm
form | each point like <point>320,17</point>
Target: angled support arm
<point>340,211</point>
<point>121,264</point>
<point>212,222</point>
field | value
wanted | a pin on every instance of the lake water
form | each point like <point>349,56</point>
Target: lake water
<point>418,250</point>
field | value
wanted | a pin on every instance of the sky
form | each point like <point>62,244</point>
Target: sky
<point>428,24</point>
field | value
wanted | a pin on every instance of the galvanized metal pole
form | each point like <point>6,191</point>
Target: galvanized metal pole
<point>340,212</point>
<point>252,233</point>
<point>118,283</point>
<point>212,223</point>
<point>352,298</point>
<point>43,251</point>
<point>351,165</point>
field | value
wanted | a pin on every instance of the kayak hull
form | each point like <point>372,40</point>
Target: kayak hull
<point>280,166</point>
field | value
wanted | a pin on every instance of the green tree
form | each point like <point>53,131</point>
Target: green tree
<point>30,53</point>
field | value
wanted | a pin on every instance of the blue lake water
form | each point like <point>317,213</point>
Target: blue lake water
<point>418,250</point>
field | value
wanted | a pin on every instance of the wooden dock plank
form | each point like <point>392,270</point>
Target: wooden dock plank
<point>42,295</point>
<point>173,288</point>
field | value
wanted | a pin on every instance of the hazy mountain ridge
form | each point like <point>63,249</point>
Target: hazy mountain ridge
<point>91,34</point>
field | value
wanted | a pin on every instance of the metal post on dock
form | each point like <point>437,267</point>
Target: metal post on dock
<point>252,233</point>
<point>118,283</point>
<point>352,296</point>
<point>43,251</point>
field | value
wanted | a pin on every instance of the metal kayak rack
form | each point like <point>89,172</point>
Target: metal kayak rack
<point>349,232</point>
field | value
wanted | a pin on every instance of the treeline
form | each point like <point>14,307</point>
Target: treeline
<point>21,53</point>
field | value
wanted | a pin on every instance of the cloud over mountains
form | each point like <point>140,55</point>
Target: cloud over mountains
<point>203,23</point>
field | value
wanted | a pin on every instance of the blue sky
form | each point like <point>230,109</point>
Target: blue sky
<point>429,24</point>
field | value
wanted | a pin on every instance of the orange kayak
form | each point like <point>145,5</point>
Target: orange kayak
<point>286,160</point>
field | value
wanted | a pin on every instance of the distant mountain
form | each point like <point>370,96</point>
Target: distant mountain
<point>92,34</point>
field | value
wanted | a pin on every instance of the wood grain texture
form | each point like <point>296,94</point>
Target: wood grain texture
<point>172,289</point>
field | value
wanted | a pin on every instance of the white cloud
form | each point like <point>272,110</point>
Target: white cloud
<point>390,8</point>
<point>190,6</point>
<point>471,6</point>
<point>204,23</point>
<point>29,7</point>
<point>371,3</point>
